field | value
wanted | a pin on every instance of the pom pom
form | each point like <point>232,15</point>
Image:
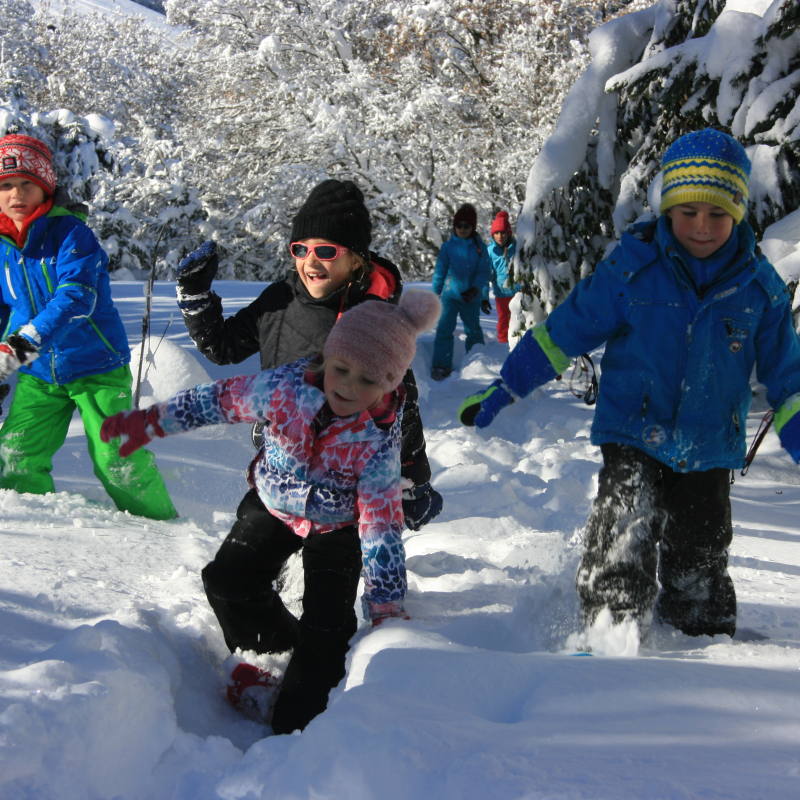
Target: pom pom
<point>421,307</point>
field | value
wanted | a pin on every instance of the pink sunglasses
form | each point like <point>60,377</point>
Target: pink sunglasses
<point>324,252</point>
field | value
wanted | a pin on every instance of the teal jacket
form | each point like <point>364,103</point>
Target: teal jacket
<point>56,292</point>
<point>499,275</point>
<point>461,265</point>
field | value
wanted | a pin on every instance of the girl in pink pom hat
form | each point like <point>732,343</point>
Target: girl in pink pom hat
<point>326,482</point>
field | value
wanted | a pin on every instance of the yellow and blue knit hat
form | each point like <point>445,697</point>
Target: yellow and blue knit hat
<point>706,166</point>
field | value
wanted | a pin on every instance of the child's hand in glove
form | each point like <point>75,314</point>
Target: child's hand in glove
<point>15,352</point>
<point>379,612</point>
<point>420,505</point>
<point>486,306</point>
<point>481,408</point>
<point>197,271</point>
<point>470,294</point>
<point>134,429</point>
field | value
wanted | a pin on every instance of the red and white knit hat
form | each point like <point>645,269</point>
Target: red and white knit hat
<point>24,156</point>
<point>501,224</point>
<point>382,338</point>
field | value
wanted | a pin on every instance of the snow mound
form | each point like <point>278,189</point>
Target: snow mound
<point>92,718</point>
<point>168,368</point>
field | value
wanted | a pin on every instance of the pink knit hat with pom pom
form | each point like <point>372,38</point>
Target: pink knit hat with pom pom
<point>382,338</point>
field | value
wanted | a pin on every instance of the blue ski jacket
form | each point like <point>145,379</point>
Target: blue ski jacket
<point>499,271</point>
<point>461,265</point>
<point>56,292</point>
<point>675,374</point>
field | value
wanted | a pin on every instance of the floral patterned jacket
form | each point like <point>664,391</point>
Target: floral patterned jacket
<point>313,480</point>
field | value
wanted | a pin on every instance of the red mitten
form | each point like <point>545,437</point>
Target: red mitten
<point>378,612</point>
<point>134,429</point>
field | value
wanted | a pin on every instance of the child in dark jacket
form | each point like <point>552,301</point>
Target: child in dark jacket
<point>686,307</point>
<point>292,317</point>
<point>62,334</point>
<point>325,481</point>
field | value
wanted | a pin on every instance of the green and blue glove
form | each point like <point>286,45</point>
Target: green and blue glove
<point>481,408</point>
<point>536,360</point>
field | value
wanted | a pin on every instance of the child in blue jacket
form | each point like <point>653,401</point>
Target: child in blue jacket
<point>686,306</point>
<point>61,331</point>
<point>462,270</point>
<point>501,254</point>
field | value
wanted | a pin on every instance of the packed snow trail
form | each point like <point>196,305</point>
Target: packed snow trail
<point>112,679</point>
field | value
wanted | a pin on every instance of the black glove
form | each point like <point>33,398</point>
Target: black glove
<point>420,505</point>
<point>486,306</point>
<point>197,271</point>
<point>4,390</point>
<point>470,294</point>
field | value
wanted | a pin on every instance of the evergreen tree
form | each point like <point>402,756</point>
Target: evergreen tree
<point>688,70</point>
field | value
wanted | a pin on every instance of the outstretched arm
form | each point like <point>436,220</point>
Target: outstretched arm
<point>536,360</point>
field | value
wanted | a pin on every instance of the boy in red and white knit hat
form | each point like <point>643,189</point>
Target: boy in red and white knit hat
<point>325,481</point>
<point>61,335</point>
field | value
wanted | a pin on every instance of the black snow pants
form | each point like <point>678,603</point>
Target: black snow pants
<point>239,586</point>
<point>650,524</point>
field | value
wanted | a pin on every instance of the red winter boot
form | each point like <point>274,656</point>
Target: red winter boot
<point>253,691</point>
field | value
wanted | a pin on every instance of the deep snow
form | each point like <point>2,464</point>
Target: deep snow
<point>112,683</point>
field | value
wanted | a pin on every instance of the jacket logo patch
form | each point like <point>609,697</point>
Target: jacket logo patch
<point>654,436</point>
<point>735,346</point>
<point>9,162</point>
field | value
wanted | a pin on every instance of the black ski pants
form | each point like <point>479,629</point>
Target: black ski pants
<point>239,586</point>
<point>650,524</point>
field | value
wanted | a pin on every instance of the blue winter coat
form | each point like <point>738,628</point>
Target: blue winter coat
<point>460,266</point>
<point>499,271</point>
<point>676,369</point>
<point>57,290</point>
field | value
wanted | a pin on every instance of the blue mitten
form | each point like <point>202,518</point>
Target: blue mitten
<point>195,275</point>
<point>420,505</point>
<point>480,409</point>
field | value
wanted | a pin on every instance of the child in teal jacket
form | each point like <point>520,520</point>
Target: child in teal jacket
<point>462,270</point>
<point>62,334</point>
<point>686,307</point>
<point>501,253</point>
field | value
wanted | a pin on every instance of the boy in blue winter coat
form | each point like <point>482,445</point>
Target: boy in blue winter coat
<point>501,254</point>
<point>462,270</point>
<point>686,306</point>
<point>61,331</point>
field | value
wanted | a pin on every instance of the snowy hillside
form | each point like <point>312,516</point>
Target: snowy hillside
<point>112,683</point>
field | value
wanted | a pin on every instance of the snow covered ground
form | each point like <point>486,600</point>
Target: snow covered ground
<point>112,685</point>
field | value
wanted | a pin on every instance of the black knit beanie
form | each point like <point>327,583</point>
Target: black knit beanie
<point>335,210</point>
<point>466,213</point>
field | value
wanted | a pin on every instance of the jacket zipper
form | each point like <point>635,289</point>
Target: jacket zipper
<point>644,405</point>
<point>8,281</point>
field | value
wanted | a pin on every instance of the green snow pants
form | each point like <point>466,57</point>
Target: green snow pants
<point>37,426</point>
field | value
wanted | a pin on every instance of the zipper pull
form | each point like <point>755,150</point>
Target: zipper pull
<point>644,406</point>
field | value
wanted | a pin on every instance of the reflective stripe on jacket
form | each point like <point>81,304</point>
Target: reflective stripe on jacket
<point>675,374</point>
